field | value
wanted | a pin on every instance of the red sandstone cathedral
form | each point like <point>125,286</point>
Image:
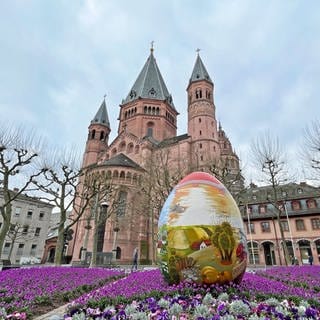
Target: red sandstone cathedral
<point>147,159</point>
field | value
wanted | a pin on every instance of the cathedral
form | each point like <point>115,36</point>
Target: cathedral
<point>147,158</point>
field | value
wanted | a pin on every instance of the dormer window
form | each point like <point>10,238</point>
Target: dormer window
<point>152,92</point>
<point>133,94</point>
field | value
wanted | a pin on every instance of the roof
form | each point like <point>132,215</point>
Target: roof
<point>199,71</point>
<point>173,140</point>
<point>150,84</point>
<point>288,191</point>
<point>121,160</point>
<point>101,116</point>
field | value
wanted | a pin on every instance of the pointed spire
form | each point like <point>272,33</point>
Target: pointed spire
<point>199,70</point>
<point>101,116</point>
<point>150,83</point>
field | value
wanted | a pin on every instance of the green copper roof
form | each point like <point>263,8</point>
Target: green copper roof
<point>150,84</point>
<point>101,116</point>
<point>199,71</point>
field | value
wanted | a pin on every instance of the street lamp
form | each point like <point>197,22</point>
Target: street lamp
<point>116,229</point>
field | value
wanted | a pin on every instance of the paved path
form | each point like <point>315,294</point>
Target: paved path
<point>55,314</point>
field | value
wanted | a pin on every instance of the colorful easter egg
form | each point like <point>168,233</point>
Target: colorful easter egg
<point>201,235</point>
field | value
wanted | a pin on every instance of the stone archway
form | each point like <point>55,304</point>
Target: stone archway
<point>269,255</point>
<point>305,250</point>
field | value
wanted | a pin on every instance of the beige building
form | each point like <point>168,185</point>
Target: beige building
<point>300,219</point>
<point>30,221</point>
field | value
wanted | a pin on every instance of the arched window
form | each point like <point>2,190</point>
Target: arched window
<point>130,148</point>
<point>199,120</point>
<point>109,174</point>
<point>149,110</point>
<point>122,203</point>
<point>101,135</point>
<point>158,110</point>
<point>93,133</point>
<point>134,178</point>
<point>153,110</point>
<point>253,250</point>
<point>122,175</point>
<point>128,178</point>
<point>200,146</point>
<point>115,174</point>
<point>150,126</point>
<point>136,149</point>
<point>200,132</point>
<point>126,115</point>
<point>145,109</point>
<point>114,151</point>
<point>122,146</point>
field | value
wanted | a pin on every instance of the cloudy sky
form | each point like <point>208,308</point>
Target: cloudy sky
<point>59,58</point>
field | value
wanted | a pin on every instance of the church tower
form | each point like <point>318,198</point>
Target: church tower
<point>98,136</point>
<point>148,109</point>
<point>202,124</point>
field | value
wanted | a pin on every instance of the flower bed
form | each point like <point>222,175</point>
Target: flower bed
<point>145,295</point>
<point>27,289</point>
<point>278,293</point>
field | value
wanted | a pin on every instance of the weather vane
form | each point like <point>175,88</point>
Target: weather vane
<point>152,42</point>
<point>198,50</point>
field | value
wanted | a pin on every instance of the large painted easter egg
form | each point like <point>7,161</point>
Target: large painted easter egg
<point>201,235</point>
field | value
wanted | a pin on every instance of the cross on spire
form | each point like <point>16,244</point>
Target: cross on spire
<point>198,50</point>
<point>151,49</point>
<point>104,97</point>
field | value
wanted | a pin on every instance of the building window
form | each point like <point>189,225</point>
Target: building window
<point>200,132</point>
<point>17,211</point>
<point>201,158</point>
<point>300,190</point>
<point>296,205</point>
<point>37,232</point>
<point>284,194</point>
<point>25,230</point>
<point>285,225</point>
<point>6,248</point>
<point>262,209</point>
<point>250,227</point>
<point>122,203</point>
<point>29,214</point>
<point>41,215</point>
<point>311,204</point>
<point>20,249</point>
<point>315,223</point>
<point>253,250</point>
<point>200,146</point>
<point>300,224</point>
<point>265,226</point>
<point>199,120</point>
<point>254,197</point>
<point>33,250</point>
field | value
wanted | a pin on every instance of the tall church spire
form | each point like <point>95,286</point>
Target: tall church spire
<point>101,116</point>
<point>199,71</point>
<point>150,84</point>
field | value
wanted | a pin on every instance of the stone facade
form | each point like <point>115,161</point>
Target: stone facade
<point>300,219</point>
<point>25,243</point>
<point>146,140</point>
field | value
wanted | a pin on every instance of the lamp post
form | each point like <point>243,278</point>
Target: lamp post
<point>115,234</point>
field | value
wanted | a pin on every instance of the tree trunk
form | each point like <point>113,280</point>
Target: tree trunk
<point>93,262</point>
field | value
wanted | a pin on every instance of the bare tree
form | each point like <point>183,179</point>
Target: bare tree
<point>60,186</point>
<point>269,156</point>
<point>231,177</point>
<point>18,151</point>
<point>311,147</point>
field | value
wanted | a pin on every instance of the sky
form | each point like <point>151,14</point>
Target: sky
<point>59,58</point>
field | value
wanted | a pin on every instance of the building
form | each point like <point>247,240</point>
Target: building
<point>147,130</point>
<point>300,219</point>
<point>26,238</point>
<point>52,237</point>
